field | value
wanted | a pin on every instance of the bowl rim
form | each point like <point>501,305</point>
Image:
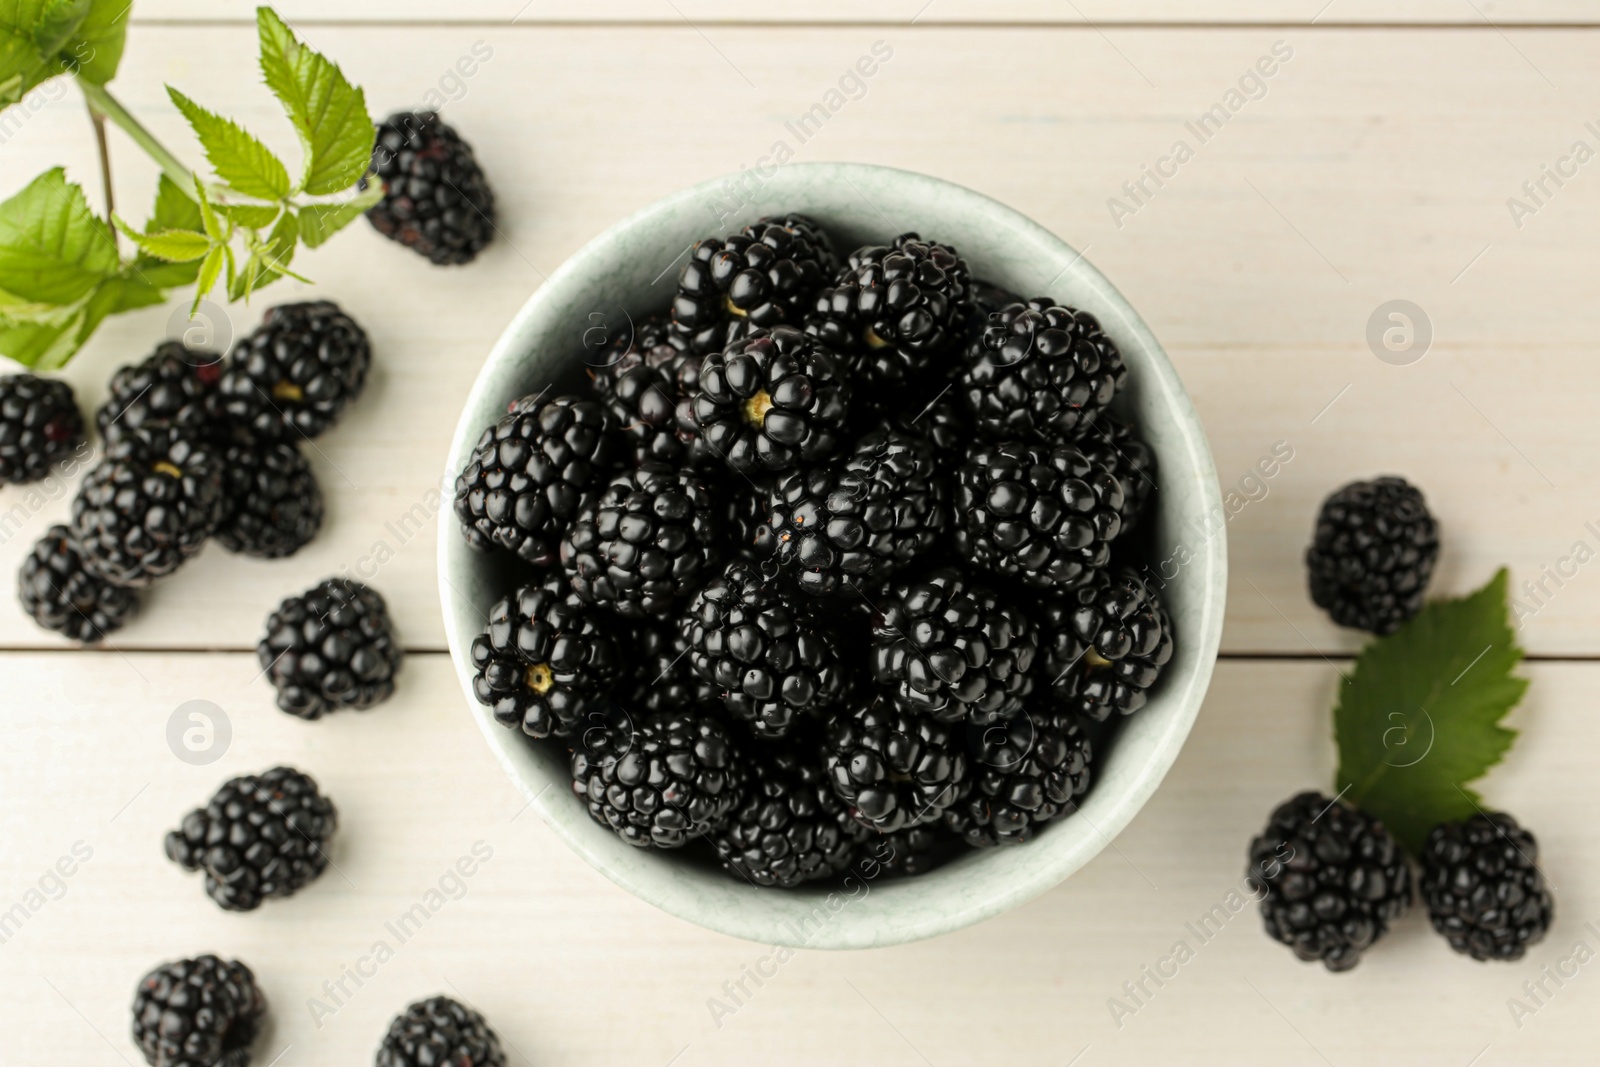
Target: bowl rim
<point>1207,566</point>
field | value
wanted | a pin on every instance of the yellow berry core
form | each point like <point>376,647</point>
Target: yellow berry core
<point>756,408</point>
<point>163,467</point>
<point>539,678</point>
<point>287,391</point>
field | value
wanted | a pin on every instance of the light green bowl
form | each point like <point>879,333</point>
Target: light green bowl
<point>630,270</point>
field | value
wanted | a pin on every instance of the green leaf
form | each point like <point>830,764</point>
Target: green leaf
<point>41,343</point>
<point>208,216</point>
<point>328,113</point>
<point>95,49</point>
<point>32,32</point>
<point>210,271</point>
<point>250,216</point>
<point>268,261</point>
<point>174,209</point>
<point>1419,716</point>
<point>174,246</point>
<point>53,250</point>
<point>318,222</point>
<point>239,159</point>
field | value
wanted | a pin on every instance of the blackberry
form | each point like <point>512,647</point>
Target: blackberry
<point>906,853</point>
<point>273,504</point>
<point>763,276</point>
<point>952,649</point>
<point>662,782</point>
<point>528,473</point>
<point>895,312</point>
<point>647,381</point>
<point>770,663</point>
<point>40,425</point>
<point>175,386</point>
<point>60,593</point>
<point>1117,447</point>
<point>204,1012</point>
<point>1372,554</point>
<point>989,297</point>
<point>789,828</point>
<point>645,541</point>
<point>544,660</point>
<point>895,768</point>
<point>940,421</point>
<point>661,676</point>
<point>293,375</point>
<point>1041,372</point>
<point>771,401</point>
<point>1105,645</point>
<point>436,200</point>
<point>1026,772</point>
<point>1044,516</point>
<point>1484,891</point>
<point>1330,879</point>
<point>148,505</point>
<point>330,648</point>
<point>439,1032</point>
<point>260,837</point>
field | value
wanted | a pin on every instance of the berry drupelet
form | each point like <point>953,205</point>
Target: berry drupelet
<point>204,1012</point>
<point>1026,772</point>
<point>60,593</point>
<point>1331,879</point>
<point>1115,446</point>
<point>1106,645</point>
<point>657,673</point>
<point>294,375</point>
<point>40,425</point>
<point>647,380</point>
<point>790,828</point>
<point>436,200</point>
<point>332,647</point>
<point>1483,888</point>
<point>440,1032</point>
<point>272,504</point>
<point>771,401</point>
<point>176,386</point>
<point>1372,554</point>
<point>895,768</point>
<point>763,276</point>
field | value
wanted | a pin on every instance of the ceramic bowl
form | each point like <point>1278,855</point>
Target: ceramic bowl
<point>629,272</point>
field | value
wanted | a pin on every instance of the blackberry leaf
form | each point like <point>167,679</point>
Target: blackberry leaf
<point>53,250</point>
<point>328,113</point>
<point>1419,716</point>
<point>96,46</point>
<point>235,154</point>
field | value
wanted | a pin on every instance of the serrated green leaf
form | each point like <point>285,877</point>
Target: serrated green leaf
<point>268,261</point>
<point>236,155</point>
<point>318,222</point>
<point>32,32</point>
<point>53,250</point>
<point>209,222</point>
<point>1419,716</point>
<point>174,209</point>
<point>250,216</point>
<point>134,290</point>
<point>328,113</point>
<point>174,246</point>
<point>210,271</point>
<point>42,342</point>
<point>95,49</point>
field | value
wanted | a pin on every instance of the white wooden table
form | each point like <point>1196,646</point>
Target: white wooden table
<point>1374,165</point>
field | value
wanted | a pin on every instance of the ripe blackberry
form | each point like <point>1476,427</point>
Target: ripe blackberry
<point>1331,879</point>
<point>1044,516</point>
<point>293,376</point>
<point>660,782</point>
<point>895,768</point>
<point>272,503</point>
<point>436,200</point>
<point>1041,372</point>
<point>952,649</point>
<point>1105,645</point>
<point>148,505</point>
<point>940,421</point>
<point>906,853</point>
<point>176,386</point>
<point>989,297</point>
<point>260,837</point>
<point>647,380</point>
<point>60,593</point>
<point>545,659</point>
<point>763,276</point>
<point>439,1032</point>
<point>330,648</point>
<point>771,664</point>
<point>1483,887</point>
<point>838,528</point>
<point>646,540</point>
<point>204,1012</point>
<point>1025,772</point>
<point>789,828</point>
<point>771,401</point>
<point>40,425</point>
<point>658,674</point>
<point>1372,554</point>
<point>1117,447</point>
<point>895,312</point>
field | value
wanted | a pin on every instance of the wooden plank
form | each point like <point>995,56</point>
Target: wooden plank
<point>573,970</point>
<point>1376,166</point>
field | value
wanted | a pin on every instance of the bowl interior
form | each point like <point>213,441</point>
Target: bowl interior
<point>628,273</point>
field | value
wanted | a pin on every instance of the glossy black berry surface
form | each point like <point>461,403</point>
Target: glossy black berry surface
<point>201,1012</point>
<point>1026,772</point>
<point>789,828</point>
<point>895,768</point>
<point>1372,553</point>
<point>1483,887</point>
<point>1106,645</point>
<point>436,200</point>
<point>440,1032</point>
<point>295,374</point>
<point>763,276</point>
<point>771,401</point>
<point>59,592</point>
<point>330,648</point>
<point>177,386</point>
<point>40,425</point>
<point>272,504</point>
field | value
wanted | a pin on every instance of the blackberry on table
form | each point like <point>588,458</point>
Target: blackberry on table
<point>953,649</point>
<point>1044,516</point>
<point>544,660</point>
<point>1117,447</point>
<point>260,837</point>
<point>148,505</point>
<point>175,386</point>
<point>1483,888</point>
<point>440,1032</point>
<point>293,376</point>
<point>204,1012</point>
<point>895,768</point>
<point>657,672</point>
<point>645,541</point>
<point>330,648</point>
<point>771,401</point>
<point>40,425</point>
<point>1331,879</point>
<point>1105,645</point>
<point>771,664</point>
<point>661,782</point>
<point>436,200</point>
<point>528,473</point>
<point>763,276</point>
<point>1026,772</point>
<point>789,828</point>
<point>1372,554</point>
<point>272,503</point>
<point>60,593</point>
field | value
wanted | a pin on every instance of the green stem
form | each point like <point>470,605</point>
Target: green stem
<point>107,105</point>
